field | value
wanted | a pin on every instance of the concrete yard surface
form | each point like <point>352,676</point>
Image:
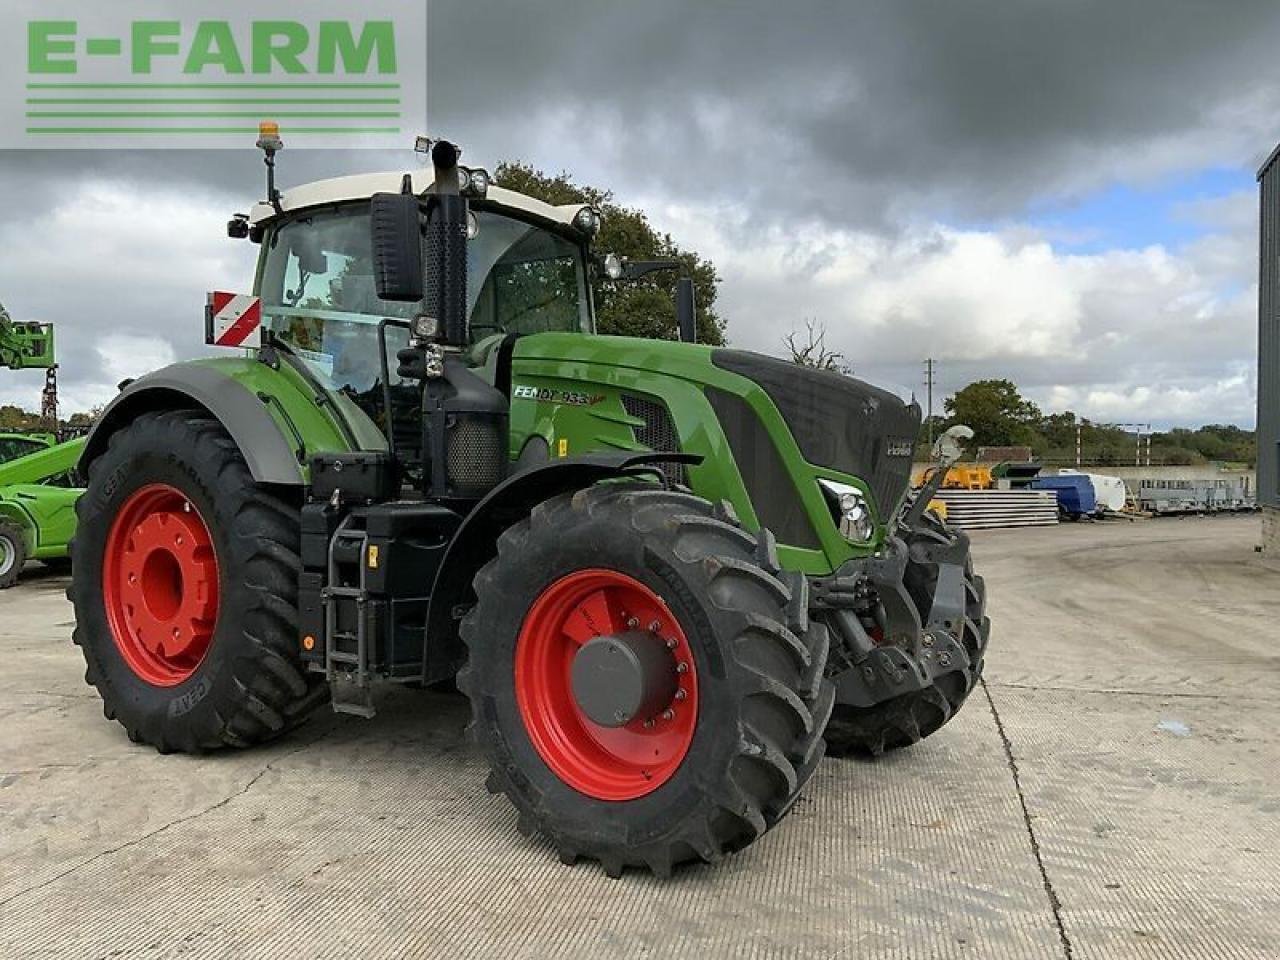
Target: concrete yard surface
<point>1113,791</point>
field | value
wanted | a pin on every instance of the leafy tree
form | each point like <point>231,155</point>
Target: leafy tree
<point>997,413</point>
<point>15,418</point>
<point>633,308</point>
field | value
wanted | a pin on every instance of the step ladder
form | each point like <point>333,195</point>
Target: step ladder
<point>350,682</point>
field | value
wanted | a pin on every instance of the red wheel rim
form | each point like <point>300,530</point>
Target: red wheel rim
<point>607,763</point>
<point>160,585</point>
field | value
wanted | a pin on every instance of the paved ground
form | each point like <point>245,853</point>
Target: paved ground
<point>1113,793</point>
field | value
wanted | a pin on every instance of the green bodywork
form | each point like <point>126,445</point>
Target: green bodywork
<point>585,376</point>
<point>603,368</point>
<point>36,493</point>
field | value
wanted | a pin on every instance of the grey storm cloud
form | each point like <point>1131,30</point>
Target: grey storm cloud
<point>873,108</point>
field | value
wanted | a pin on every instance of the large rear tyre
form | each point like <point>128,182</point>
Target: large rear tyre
<point>185,590</point>
<point>13,553</point>
<point>908,719</point>
<point>729,708</point>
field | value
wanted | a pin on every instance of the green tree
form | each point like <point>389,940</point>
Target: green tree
<point>997,413</point>
<point>633,308</point>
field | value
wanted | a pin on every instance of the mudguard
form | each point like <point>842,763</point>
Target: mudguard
<point>272,456</point>
<point>476,541</point>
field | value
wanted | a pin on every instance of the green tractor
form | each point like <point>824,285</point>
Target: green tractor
<point>661,572</point>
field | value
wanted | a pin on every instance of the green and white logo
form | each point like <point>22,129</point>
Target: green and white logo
<point>203,73</point>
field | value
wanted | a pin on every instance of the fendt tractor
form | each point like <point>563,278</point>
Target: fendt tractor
<point>660,571</point>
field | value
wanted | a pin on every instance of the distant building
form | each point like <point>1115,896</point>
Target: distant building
<point>1269,354</point>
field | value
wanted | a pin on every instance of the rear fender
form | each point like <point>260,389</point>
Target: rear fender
<point>272,445</point>
<point>476,542</point>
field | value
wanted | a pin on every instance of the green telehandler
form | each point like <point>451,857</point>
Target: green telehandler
<point>661,572</point>
<point>37,474</point>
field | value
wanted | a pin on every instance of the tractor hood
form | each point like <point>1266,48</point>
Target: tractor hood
<point>838,426</point>
<point>838,422</point>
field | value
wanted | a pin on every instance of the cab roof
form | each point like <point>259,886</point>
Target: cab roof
<point>364,185</point>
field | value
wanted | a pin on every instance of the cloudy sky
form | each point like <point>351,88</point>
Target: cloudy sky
<point>1057,192</point>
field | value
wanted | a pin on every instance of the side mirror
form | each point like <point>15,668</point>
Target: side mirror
<point>396,239</point>
<point>686,311</point>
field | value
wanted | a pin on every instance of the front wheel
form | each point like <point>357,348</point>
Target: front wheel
<point>185,590</point>
<point>13,553</point>
<point>644,679</point>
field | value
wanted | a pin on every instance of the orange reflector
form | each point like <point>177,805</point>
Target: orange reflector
<point>308,642</point>
<point>268,128</point>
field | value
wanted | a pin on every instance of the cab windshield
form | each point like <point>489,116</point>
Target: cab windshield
<point>318,292</point>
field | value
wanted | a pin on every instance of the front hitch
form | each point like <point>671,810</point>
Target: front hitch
<point>914,592</point>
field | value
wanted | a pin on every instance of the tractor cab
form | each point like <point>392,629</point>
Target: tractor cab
<point>527,268</point>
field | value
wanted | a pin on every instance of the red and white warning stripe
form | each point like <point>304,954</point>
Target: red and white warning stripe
<point>233,320</point>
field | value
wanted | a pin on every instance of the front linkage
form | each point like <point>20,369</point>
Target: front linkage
<point>909,632</point>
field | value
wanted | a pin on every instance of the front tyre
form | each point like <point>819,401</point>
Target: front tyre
<point>645,687</point>
<point>185,590</point>
<point>13,553</point>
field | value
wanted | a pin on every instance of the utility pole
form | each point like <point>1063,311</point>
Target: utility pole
<point>1138,428</point>
<point>1079,437</point>
<point>930,378</point>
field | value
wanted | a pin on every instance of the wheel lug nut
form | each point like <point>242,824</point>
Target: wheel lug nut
<point>671,643</point>
<point>682,668</point>
<point>655,627</point>
<point>680,695</point>
<point>648,724</point>
<point>668,714</point>
<point>632,623</point>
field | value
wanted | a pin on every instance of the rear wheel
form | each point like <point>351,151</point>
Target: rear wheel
<point>13,553</point>
<point>186,590</point>
<point>644,679</point>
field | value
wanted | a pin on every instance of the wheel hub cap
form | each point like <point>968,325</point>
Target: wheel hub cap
<point>160,585</point>
<point>617,679</point>
<point>606,684</point>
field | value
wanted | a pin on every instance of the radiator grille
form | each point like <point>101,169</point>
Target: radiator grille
<point>657,433</point>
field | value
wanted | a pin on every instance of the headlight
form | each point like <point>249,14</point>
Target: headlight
<point>479,182</point>
<point>849,510</point>
<point>612,266</point>
<point>464,179</point>
<point>473,226</point>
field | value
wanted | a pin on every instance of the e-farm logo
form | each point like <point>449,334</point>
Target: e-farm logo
<point>203,73</point>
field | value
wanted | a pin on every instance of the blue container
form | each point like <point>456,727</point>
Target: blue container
<point>1075,493</point>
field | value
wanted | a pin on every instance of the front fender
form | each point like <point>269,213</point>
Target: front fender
<point>476,541</point>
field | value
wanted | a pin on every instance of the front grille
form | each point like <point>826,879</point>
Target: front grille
<point>658,432</point>
<point>838,422</point>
